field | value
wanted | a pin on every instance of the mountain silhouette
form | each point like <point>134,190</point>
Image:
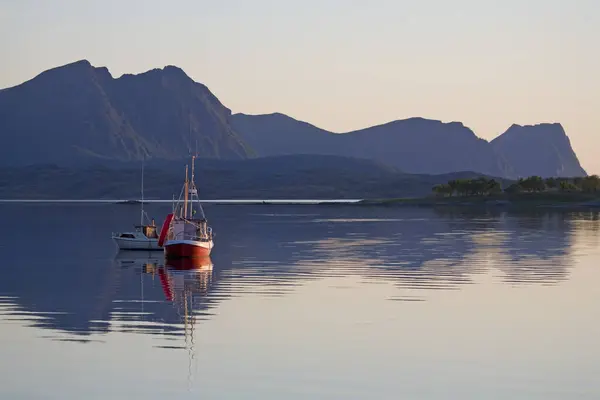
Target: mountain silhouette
<point>77,113</point>
<point>420,146</point>
<point>414,145</point>
<point>543,150</point>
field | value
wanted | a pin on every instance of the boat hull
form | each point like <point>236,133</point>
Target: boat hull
<point>190,264</point>
<point>137,244</point>
<point>187,249</point>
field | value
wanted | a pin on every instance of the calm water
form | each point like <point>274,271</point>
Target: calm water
<point>302,302</point>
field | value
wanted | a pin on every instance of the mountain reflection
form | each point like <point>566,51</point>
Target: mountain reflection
<point>270,254</point>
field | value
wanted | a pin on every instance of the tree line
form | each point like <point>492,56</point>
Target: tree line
<point>468,187</point>
<point>533,184</point>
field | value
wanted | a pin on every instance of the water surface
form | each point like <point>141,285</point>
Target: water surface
<point>300,302</point>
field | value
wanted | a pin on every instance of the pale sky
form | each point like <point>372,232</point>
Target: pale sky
<point>341,65</point>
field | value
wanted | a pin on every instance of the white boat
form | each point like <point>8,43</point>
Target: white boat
<point>144,235</point>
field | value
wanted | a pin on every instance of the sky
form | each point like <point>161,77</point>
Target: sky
<point>340,65</point>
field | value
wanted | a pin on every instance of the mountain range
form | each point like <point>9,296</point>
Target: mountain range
<point>79,115</point>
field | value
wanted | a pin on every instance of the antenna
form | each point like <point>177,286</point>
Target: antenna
<point>192,187</point>
<point>142,207</point>
<point>189,132</point>
<point>185,198</point>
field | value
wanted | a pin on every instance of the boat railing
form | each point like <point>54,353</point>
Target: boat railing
<point>185,235</point>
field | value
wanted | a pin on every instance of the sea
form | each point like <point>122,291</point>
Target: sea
<point>301,301</point>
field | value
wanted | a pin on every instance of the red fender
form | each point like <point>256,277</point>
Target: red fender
<point>165,229</point>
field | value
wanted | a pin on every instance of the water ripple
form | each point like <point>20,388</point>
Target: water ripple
<point>271,255</point>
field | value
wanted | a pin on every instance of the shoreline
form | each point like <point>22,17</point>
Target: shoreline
<point>208,201</point>
<point>526,200</point>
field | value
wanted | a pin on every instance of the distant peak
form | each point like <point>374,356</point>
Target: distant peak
<point>411,120</point>
<point>83,62</point>
<point>173,71</point>
<point>279,115</point>
<point>267,115</point>
<point>555,124</point>
<point>168,70</point>
<point>421,121</point>
<point>76,67</point>
<point>173,68</point>
<point>550,127</point>
<point>263,114</point>
<point>79,63</point>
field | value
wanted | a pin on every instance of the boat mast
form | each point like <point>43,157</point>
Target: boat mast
<point>193,186</point>
<point>185,195</point>
<point>142,207</point>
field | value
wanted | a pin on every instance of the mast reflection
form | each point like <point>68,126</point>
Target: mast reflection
<point>185,285</point>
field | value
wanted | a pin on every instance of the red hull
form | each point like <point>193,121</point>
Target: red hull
<point>185,251</point>
<point>189,263</point>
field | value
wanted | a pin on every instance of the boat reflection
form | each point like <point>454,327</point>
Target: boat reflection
<point>185,285</point>
<point>138,259</point>
<point>184,277</point>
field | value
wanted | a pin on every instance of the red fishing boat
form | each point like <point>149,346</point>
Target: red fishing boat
<point>184,234</point>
